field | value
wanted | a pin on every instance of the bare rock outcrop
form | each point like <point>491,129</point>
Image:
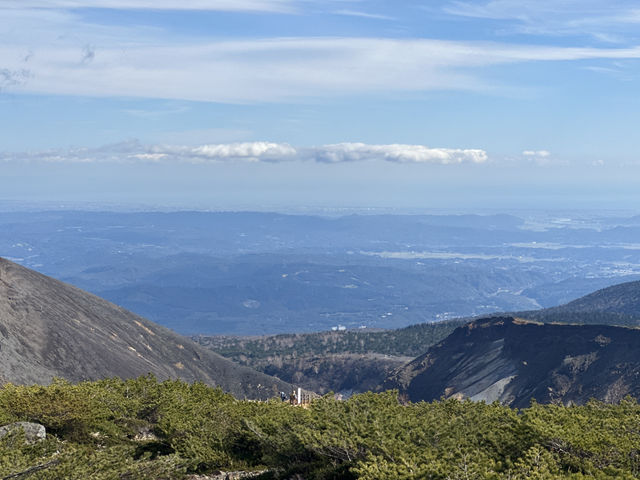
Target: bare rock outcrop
<point>33,432</point>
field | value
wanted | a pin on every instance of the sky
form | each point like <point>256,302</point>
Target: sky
<point>285,104</point>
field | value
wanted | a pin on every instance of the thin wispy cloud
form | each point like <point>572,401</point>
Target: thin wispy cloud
<point>156,113</point>
<point>68,55</point>
<point>13,78</point>
<point>602,20</point>
<point>273,70</point>
<point>617,70</point>
<point>88,54</point>
<point>252,152</point>
<point>356,13</point>
<point>282,6</point>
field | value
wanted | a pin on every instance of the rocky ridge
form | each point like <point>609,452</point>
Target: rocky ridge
<point>511,360</point>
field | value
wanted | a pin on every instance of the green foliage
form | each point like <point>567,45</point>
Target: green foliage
<point>199,423</point>
<point>145,429</point>
<point>592,437</point>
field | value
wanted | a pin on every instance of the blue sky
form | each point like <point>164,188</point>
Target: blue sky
<point>282,103</point>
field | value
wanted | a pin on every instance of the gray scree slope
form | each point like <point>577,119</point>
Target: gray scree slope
<point>51,329</point>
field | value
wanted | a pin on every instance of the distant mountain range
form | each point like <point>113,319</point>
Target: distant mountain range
<point>243,273</point>
<point>50,329</point>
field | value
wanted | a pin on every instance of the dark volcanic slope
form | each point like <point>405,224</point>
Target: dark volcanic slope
<point>513,361</point>
<point>49,328</point>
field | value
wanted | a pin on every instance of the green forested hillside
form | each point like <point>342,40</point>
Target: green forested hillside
<point>621,298</point>
<point>616,305</point>
<point>409,341</point>
<point>353,360</point>
<point>142,429</point>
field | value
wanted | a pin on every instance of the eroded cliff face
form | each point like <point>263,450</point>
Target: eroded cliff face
<point>512,361</point>
<point>52,329</point>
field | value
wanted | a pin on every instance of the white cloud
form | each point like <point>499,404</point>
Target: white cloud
<point>542,158</point>
<point>135,152</point>
<point>351,152</point>
<point>536,153</point>
<point>247,151</point>
<point>152,157</point>
<point>219,5</point>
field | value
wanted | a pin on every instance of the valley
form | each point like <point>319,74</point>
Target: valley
<point>267,273</point>
<point>320,361</point>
